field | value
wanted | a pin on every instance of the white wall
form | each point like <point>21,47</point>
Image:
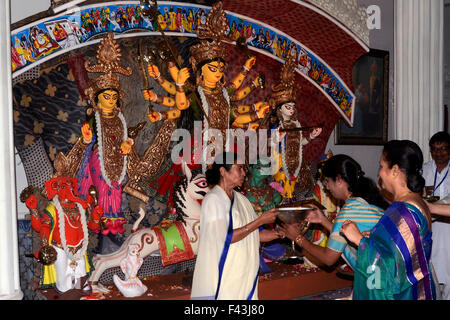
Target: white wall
<point>383,39</point>
<point>21,9</point>
<point>447,52</point>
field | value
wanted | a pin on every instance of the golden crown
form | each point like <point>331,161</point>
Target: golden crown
<point>214,31</point>
<point>108,62</point>
<point>285,90</point>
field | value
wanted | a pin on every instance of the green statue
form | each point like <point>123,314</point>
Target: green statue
<point>258,190</point>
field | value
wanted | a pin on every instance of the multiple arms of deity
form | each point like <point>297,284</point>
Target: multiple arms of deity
<point>175,105</point>
<point>242,114</point>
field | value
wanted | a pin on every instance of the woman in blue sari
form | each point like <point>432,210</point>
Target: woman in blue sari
<point>393,262</point>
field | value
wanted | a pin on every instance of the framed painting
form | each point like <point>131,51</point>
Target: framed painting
<point>371,85</point>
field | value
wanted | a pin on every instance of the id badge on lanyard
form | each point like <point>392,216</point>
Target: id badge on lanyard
<point>443,179</point>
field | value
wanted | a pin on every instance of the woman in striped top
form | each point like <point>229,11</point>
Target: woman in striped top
<point>345,180</point>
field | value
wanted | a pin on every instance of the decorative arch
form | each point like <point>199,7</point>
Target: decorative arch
<point>49,37</point>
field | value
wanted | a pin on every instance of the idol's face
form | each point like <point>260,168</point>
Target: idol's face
<point>213,71</point>
<point>108,99</point>
<point>288,109</point>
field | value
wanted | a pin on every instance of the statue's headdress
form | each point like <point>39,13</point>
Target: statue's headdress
<point>284,91</point>
<point>212,33</point>
<point>108,62</point>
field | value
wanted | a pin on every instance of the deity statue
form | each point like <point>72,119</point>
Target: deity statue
<point>208,59</point>
<point>257,189</point>
<point>292,171</point>
<point>63,230</point>
<point>105,137</point>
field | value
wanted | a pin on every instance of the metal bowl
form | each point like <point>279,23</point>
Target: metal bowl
<point>292,216</point>
<point>431,198</point>
<point>295,217</point>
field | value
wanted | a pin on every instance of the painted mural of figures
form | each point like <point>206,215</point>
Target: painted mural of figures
<point>63,230</point>
<point>304,62</point>
<point>292,171</point>
<point>42,43</point>
<point>20,54</point>
<point>104,164</point>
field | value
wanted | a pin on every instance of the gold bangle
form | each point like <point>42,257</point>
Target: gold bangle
<point>180,87</point>
<point>246,229</point>
<point>299,240</point>
<point>253,116</point>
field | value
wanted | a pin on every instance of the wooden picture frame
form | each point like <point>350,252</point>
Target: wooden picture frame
<point>371,85</point>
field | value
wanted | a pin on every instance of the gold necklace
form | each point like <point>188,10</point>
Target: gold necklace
<point>108,115</point>
<point>403,196</point>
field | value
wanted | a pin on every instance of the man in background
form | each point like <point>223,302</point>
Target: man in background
<point>437,183</point>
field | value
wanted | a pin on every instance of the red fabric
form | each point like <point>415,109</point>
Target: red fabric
<point>318,33</point>
<point>80,74</point>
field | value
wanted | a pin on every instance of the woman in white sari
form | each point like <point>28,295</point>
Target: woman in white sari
<point>228,254</point>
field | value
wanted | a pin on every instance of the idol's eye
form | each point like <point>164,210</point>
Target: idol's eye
<point>212,69</point>
<point>202,184</point>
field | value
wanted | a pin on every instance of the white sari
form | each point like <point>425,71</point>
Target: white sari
<point>225,270</point>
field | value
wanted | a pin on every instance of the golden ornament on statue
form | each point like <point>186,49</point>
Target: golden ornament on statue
<point>47,255</point>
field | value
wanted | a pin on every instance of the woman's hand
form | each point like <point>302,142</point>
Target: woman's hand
<point>154,116</point>
<point>149,95</point>
<point>315,215</point>
<point>290,231</point>
<point>269,216</point>
<point>351,232</point>
<point>262,110</point>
